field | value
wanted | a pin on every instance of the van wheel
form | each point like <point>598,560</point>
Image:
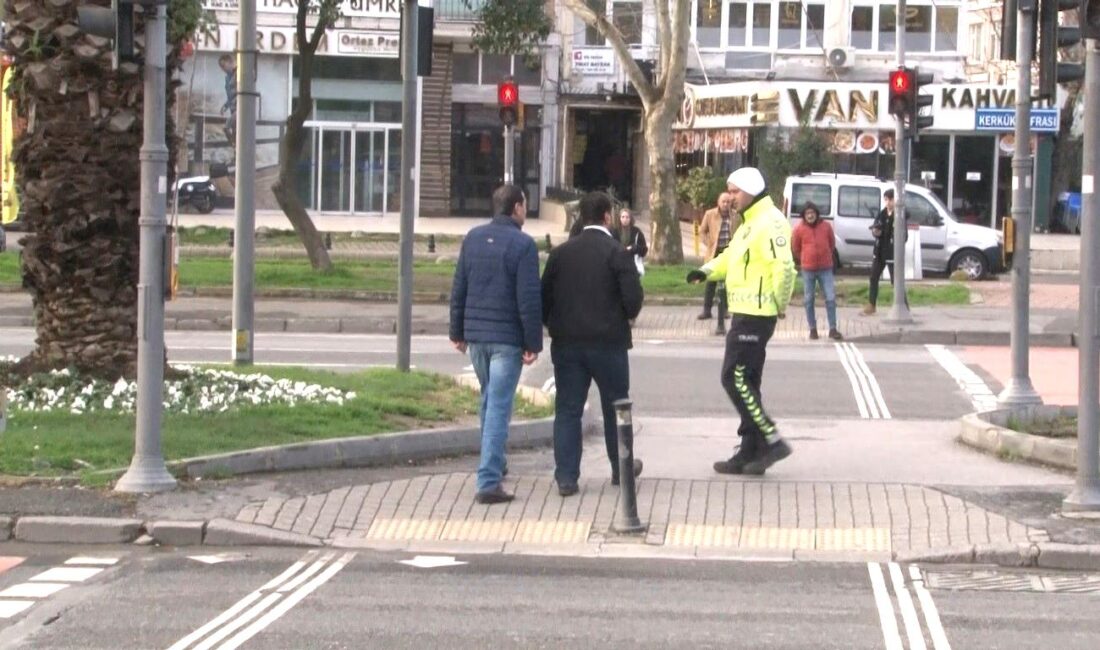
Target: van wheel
<point>971,262</point>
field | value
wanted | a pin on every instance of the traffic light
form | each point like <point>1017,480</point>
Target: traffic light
<point>919,101</point>
<point>901,82</point>
<point>1089,19</point>
<point>1052,37</point>
<point>116,23</point>
<point>508,100</point>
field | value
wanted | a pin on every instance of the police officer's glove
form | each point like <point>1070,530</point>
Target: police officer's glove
<point>695,276</point>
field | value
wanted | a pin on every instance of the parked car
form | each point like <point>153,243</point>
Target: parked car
<point>851,203</point>
<point>198,192</point>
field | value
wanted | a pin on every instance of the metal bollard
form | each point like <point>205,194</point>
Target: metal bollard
<point>328,241</point>
<point>626,516</point>
<point>431,243</point>
<point>231,243</point>
<point>549,245</point>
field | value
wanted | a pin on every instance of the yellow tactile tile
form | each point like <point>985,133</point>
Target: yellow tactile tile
<point>773,538</point>
<point>852,539</point>
<point>553,532</point>
<point>702,535</point>
<point>404,529</point>
<point>479,531</point>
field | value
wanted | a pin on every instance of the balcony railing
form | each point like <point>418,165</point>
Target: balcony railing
<point>457,11</point>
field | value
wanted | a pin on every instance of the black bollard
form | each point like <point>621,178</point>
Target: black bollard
<point>548,244</point>
<point>231,244</point>
<point>328,241</point>
<point>431,243</point>
<point>626,517</point>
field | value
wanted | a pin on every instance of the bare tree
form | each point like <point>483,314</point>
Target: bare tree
<point>294,140</point>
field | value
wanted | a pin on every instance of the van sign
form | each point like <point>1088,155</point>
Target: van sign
<point>1004,119</point>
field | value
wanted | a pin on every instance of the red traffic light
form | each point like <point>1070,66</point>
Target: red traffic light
<point>900,82</point>
<point>507,93</point>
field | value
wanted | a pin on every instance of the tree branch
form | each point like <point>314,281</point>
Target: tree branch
<point>599,22</point>
<point>673,75</point>
<point>664,37</point>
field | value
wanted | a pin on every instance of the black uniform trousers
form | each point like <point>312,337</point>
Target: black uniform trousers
<point>742,374</point>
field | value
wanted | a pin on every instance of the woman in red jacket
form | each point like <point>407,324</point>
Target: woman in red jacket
<point>813,246</point>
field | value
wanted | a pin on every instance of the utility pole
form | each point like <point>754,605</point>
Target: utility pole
<point>899,311</point>
<point>1086,492</point>
<point>147,472</point>
<point>244,244</point>
<point>1019,391</point>
<point>409,23</point>
<point>509,154</point>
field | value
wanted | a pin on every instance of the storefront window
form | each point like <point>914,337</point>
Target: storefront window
<point>947,29</point>
<point>525,75</point>
<point>761,24</point>
<point>495,67</point>
<point>918,29</point>
<point>627,16</point>
<point>863,23</point>
<point>815,24</point>
<point>466,67</point>
<point>790,25</point>
<point>592,36</point>
<point>708,23</point>
<point>887,28</point>
<point>973,182</point>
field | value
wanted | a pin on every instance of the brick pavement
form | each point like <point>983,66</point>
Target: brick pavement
<point>749,516</point>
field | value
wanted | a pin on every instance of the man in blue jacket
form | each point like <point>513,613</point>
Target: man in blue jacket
<point>496,316</point>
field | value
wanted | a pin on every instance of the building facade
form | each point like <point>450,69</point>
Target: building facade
<point>351,164</point>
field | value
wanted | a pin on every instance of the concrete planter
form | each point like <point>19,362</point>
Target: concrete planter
<point>989,432</point>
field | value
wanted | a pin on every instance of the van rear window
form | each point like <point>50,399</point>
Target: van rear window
<point>821,195</point>
<point>857,201</point>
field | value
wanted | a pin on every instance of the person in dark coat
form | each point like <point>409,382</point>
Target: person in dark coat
<point>496,316</point>
<point>882,228</point>
<point>631,237</point>
<point>590,293</point>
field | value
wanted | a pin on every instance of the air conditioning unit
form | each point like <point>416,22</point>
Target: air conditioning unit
<point>842,57</point>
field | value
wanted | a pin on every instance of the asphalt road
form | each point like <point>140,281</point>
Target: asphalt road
<point>669,378</point>
<point>272,598</point>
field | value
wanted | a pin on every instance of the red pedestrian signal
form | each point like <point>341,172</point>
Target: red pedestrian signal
<point>901,85</point>
<point>508,100</point>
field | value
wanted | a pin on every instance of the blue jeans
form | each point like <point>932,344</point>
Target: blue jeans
<point>575,366</point>
<point>497,366</point>
<point>809,281</point>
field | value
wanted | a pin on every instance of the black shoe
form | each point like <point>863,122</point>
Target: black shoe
<point>721,331</point>
<point>834,334</point>
<point>735,465</point>
<point>704,317</point>
<point>813,334</point>
<point>774,453</point>
<point>567,490</point>
<point>496,495</point>
<point>637,472</point>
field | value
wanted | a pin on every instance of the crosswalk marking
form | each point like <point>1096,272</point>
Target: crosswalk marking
<point>19,598</point>
<point>867,392</point>
<point>914,633</point>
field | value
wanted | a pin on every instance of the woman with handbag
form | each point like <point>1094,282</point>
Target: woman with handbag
<point>632,239</point>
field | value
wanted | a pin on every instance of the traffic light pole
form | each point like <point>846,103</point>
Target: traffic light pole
<point>1019,391</point>
<point>1086,492</point>
<point>899,311</point>
<point>509,154</point>
<point>409,22</point>
<point>147,472</point>
<point>244,243</point>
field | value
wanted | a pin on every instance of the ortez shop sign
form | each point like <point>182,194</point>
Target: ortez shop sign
<point>827,105</point>
<point>351,8</point>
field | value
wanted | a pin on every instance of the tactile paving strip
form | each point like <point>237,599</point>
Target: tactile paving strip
<point>1010,581</point>
<point>527,531</point>
<point>829,539</point>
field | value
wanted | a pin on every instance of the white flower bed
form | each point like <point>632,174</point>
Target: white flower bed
<point>201,391</point>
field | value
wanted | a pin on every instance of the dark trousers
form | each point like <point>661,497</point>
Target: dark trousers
<point>877,266</point>
<point>742,375</point>
<point>575,367</point>
<point>709,292</point>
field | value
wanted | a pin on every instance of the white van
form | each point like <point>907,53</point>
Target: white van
<point>851,203</point>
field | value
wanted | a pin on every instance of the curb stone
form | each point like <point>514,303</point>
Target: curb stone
<point>177,533</point>
<point>84,530</point>
<point>224,532</point>
<point>5,528</point>
<point>985,431</point>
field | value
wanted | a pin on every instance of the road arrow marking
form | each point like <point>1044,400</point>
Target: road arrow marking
<point>432,561</point>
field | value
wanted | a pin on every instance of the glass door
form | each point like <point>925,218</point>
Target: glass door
<point>370,171</point>
<point>335,178</point>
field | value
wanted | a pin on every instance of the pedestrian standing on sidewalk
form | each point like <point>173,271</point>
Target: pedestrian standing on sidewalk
<point>882,228</point>
<point>813,245</point>
<point>590,293</point>
<point>496,317</point>
<point>759,275</point>
<point>632,239</point>
<point>719,224</point>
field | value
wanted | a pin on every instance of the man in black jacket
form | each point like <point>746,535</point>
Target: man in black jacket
<point>882,228</point>
<point>590,293</point>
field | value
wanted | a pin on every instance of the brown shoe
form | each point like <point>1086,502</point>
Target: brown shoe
<point>869,310</point>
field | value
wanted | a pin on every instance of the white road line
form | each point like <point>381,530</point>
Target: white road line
<point>975,388</point>
<point>240,621</point>
<point>307,574</point>
<point>288,603</point>
<point>928,608</point>
<point>66,574</point>
<point>876,391</point>
<point>908,613</point>
<point>245,603</point>
<point>9,608</point>
<point>857,389</point>
<point>80,559</point>
<point>33,590</point>
<point>885,608</point>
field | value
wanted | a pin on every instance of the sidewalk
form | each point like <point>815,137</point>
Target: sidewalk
<point>962,325</point>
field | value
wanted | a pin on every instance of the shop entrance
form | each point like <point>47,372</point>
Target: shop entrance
<point>603,153</point>
<point>351,168</point>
